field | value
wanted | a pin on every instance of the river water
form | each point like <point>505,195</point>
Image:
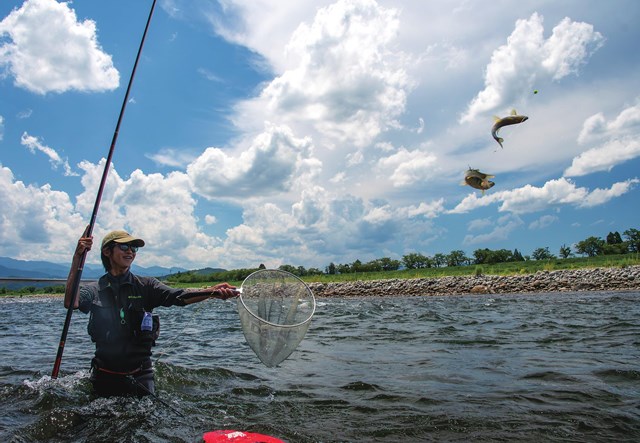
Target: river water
<point>542,367</point>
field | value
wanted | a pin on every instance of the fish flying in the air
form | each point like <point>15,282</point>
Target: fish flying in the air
<point>512,119</point>
<point>477,180</point>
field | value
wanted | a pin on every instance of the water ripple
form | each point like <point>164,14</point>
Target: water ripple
<point>540,367</point>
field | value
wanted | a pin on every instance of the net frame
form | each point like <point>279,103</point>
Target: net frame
<point>273,313</point>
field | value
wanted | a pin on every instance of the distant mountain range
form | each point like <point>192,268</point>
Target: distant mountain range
<point>10,267</point>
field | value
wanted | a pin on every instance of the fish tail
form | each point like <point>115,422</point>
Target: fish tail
<point>500,140</point>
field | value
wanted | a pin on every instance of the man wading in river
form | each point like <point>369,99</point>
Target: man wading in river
<point>121,322</point>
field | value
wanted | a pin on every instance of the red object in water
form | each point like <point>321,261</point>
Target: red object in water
<point>230,436</point>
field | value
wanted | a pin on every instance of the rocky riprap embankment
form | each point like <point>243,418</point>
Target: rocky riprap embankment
<point>597,279</point>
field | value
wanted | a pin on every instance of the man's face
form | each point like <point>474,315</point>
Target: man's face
<point>121,255</point>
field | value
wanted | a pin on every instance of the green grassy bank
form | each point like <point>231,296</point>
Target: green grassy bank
<point>509,268</point>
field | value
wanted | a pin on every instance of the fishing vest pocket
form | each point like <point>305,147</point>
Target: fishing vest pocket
<point>146,337</point>
<point>105,326</point>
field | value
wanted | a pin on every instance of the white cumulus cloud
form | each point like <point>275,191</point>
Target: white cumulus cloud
<point>604,157</point>
<point>274,162</point>
<point>553,193</point>
<point>159,208</point>
<point>343,80</point>
<point>528,57</point>
<point>617,141</point>
<point>39,216</point>
<point>62,55</point>
<point>407,167</point>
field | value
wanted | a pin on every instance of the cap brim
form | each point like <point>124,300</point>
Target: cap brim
<point>131,240</point>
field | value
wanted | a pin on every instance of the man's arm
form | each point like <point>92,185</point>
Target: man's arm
<point>222,291</point>
<point>84,244</point>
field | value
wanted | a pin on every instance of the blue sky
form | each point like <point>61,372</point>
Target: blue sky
<point>312,132</point>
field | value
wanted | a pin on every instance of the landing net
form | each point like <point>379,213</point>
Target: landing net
<point>275,310</point>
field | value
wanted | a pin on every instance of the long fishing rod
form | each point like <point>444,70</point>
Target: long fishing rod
<point>76,278</point>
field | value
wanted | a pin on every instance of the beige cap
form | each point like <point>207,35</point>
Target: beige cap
<point>121,237</point>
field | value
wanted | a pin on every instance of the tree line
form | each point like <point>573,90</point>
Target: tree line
<point>591,247</point>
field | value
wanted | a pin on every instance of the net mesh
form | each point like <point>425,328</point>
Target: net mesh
<point>275,310</point>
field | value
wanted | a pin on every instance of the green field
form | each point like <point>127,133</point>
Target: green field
<point>509,268</point>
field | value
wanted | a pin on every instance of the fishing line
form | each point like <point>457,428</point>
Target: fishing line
<point>166,348</point>
<point>136,383</point>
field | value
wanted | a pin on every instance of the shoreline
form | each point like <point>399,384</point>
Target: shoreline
<point>574,280</point>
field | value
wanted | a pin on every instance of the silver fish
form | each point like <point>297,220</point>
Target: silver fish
<point>512,119</point>
<point>477,180</point>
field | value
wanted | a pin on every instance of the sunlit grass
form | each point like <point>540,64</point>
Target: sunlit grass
<point>510,268</point>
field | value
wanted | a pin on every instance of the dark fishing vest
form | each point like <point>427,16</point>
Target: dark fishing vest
<point>117,309</point>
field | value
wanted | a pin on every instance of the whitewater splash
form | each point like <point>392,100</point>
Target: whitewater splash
<point>68,383</point>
